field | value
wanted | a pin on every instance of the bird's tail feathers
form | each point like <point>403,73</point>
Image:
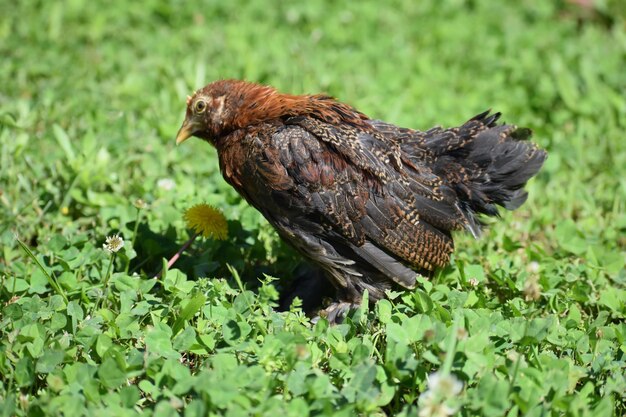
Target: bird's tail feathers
<point>487,165</point>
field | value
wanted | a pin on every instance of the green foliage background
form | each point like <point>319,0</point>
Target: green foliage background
<point>530,317</point>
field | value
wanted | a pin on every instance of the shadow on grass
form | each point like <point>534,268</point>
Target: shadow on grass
<point>209,258</point>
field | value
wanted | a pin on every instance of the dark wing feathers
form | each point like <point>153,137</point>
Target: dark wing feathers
<point>380,194</point>
<point>370,202</point>
<point>388,265</point>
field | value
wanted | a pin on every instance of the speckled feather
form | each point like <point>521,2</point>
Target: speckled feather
<point>367,201</point>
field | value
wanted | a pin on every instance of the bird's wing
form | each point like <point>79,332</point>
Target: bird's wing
<point>353,182</point>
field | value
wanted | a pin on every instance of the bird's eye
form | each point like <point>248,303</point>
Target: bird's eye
<point>200,106</point>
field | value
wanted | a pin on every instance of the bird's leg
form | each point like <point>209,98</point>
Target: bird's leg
<point>336,312</point>
<point>319,296</point>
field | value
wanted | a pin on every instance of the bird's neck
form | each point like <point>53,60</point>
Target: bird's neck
<point>260,104</point>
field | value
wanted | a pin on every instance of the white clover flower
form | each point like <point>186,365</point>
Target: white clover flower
<point>473,282</point>
<point>445,385</point>
<point>140,204</point>
<point>439,399</point>
<point>166,184</point>
<point>113,243</point>
<point>532,289</point>
<point>533,267</point>
<point>431,408</point>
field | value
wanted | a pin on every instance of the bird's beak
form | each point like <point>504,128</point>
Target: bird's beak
<point>185,132</point>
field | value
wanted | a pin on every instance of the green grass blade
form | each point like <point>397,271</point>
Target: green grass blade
<point>51,280</point>
<point>193,306</point>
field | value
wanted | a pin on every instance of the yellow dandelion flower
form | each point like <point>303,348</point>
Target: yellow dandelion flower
<point>207,220</point>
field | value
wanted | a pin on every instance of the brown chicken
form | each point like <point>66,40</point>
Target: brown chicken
<point>370,203</point>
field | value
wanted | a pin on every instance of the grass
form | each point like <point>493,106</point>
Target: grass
<point>530,318</point>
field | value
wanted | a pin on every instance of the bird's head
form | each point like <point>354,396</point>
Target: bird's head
<point>210,113</point>
<point>224,106</point>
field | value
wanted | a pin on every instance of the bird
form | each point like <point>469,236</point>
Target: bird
<point>372,204</point>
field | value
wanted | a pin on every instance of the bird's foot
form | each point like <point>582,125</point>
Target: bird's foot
<point>336,312</point>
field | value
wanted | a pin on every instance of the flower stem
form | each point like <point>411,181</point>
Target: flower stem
<point>174,258</point>
<point>106,280</point>
<point>132,242</point>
